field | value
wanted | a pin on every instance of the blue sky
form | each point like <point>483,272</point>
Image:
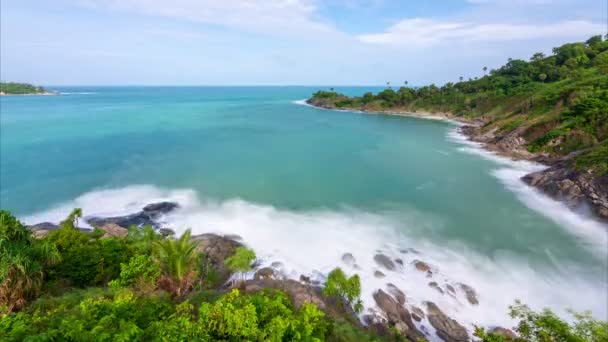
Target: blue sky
<point>280,42</point>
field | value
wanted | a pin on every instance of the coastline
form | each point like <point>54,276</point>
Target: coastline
<point>46,93</point>
<point>575,188</point>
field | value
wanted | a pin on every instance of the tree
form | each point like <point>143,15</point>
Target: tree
<point>22,262</point>
<point>339,285</point>
<point>485,69</point>
<point>542,77</point>
<point>405,83</point>
<point>179,261</point>
<point>461,78</point>
<point>241,260</point>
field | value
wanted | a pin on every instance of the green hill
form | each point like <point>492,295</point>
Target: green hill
<point>12,88</point>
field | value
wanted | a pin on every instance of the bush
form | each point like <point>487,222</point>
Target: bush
<point>141,271</point>
<point>349,289</point>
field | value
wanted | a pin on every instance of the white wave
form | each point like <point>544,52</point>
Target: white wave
<point>312,243</point>
<point>77,93</point>
<point>591,232</point>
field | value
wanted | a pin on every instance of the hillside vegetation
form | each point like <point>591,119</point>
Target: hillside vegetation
<point>558,104</point>
<point>12,88</point>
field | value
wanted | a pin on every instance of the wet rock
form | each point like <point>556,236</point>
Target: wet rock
<point>447,329</point>
<point>450,289</point>
<point>434,285</point>
<point>397,315</point>
<point>422,266</point>
<point>396,292</point>
<point>507,334</point>
<point>384,261</point>
<point>378,274</point>
<point>417,313</point>
<point>399,261</point>
<point>348,259</point>
<point>304,279</point>
<point>264,273</point>
<point>217,248</point>
<point>276,264</point>
<point>470,293</point>
<point>147,216</point>
<point>113,230</point>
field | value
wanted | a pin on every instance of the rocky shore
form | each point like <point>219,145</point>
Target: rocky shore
<point>578,189</point>
<point>393,310</point>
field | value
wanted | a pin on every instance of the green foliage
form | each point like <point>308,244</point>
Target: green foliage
<point>140,271</point>
<point>19,88</point>
<point>22,262</point>
<point>86,259</point>
<point>241,260</point>
<point>180,263</point>
<point>339,285</point>
<point>595,160</point>
<point>545,326</point>
<point>143,239</point>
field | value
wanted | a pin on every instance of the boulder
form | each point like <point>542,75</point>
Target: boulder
<point>264,273</point>
<point>398,317</point>
<point>423,267</point>
<point>396,292</point>
<point>160,208</point>
<point>304,279</point>
<point>507,334</point>
<point>470,293</point>
<point>379,274</point>
<point>113,230</point>
<point>399,261</point>
<point>417,313</point>
<point>384,261</point>
<point>217,248</point>
<point>348,259</point>
<point>434,285</point>
<point>447,329</point>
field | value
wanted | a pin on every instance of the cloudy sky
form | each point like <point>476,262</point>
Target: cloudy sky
<point>280,42</point>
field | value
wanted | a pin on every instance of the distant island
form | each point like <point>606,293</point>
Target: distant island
<point>13,88</point>
<point>551,109</point>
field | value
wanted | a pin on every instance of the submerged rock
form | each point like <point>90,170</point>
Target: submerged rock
<point>447,329</point>
<point>434,285</point>
<point>384,261</point>
<point>379,274</point>
<point>348,259</point>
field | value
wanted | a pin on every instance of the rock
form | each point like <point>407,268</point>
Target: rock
<point>434,285</point>
<point>447,329</point>
<point>422,266</point>
<point>348,259</point>
<point>417,313</point>
<point>450,289</point>
<point>378,274</point>
<point>166,232</point>
<point>397,315</point>
<point>384,261</point>
<point>304,279</point>
<point>470,293</point>
<point>217,248</point>
<point>113,230</point>
<point>40,230</point>
<point>399,261</point>
<point>264,273</point>
<point>507,334</point>
<point>147,216</point>
<point>276,264</point>
<point>396,292</point>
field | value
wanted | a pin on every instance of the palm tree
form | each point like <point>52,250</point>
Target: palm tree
<point>22,261</point>
<point>179,261</point>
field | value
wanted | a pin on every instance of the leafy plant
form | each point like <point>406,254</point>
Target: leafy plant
<point>339,285</point>
<point>179,262</point>
<point>241,261</point>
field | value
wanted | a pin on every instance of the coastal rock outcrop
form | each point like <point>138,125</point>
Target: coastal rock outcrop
<point>447,329</point>
<point>147,216</point>
<point>217,248</point>
<point>398,316</point>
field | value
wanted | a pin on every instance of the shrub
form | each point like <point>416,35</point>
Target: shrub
<point>141,271</point>
<point>241,260</point>
<point>339,285</point>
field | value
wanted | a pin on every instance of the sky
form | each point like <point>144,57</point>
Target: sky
<point>280,42</point>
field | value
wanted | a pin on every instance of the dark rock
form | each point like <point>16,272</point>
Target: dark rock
<point>348,259</point>
<point>434,285</point>
<point>417,313</point>
<point>166,232</point>
<point>422,266</point>
<point>397,315</point>
<point>396,292</point>
<point>264,273</point>
<point>304,279</point>
<point>384,261</point>
<point>470,293</point>
<point>450,289</point>
<point>276,264</point>
<point>379,274</point>
<point>507,334</point>
<point>447,329</point>
<point>147,216</point>
<point>399,261</point>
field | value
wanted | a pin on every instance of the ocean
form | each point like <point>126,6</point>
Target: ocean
<point>303,186</point>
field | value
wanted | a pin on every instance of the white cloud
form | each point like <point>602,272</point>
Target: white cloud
<point>280,17</point>
<point>422,31</point>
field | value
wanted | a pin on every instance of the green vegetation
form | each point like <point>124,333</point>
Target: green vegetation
<point>349,289</point>
<point>545,326</point>
<point>11,88</point>
<point>79,286</point>
<point>559,102</point>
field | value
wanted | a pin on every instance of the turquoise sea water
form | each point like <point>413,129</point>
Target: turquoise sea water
<point>260,157</point>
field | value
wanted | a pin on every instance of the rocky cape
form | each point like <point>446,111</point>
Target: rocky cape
<point>578,189</point>
<point>392,310</point>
